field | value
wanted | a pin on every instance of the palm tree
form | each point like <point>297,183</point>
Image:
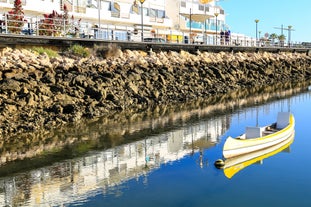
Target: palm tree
<point>273,36</point>
<point>282,39</point>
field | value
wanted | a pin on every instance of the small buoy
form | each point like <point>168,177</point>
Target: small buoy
<point>219,163</point>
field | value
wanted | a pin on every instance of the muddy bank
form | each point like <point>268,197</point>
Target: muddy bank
<point>38,92</point>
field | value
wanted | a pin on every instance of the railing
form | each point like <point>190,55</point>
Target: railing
<point>71,28</point>
<point>15,24</point>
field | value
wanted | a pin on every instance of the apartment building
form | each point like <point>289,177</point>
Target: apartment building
<point>198,21</point>
<point>172,20</point>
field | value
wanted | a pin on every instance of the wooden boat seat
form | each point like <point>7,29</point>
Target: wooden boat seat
<point>264,133</point>
<point>269,130</point>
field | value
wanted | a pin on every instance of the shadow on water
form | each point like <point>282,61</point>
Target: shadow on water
<point>30,151</point>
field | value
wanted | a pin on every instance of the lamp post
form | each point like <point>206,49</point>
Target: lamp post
<point>216,15</point>
<point>289,29</point>
<point>190,35</point>
<point>256,21</point>
<point>96,32</point>
<point>289,34</point>
<point>204,36</point>
<point>142,19</point>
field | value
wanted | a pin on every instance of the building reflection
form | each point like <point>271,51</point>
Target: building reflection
<point>105,170</point>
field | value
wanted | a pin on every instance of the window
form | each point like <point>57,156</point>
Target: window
<point>156,13</point>
<point>145,11</point>
<point>161,14</point>
<point>153,12</point>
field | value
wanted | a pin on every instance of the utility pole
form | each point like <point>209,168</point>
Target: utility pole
<point>289,29</point>
<point>281,28</point>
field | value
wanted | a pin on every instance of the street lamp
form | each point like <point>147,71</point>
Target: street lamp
<point>96,32</point>
<point>216,15</point>
<point>190,35</point>
<point>289,34</point>
<point>256,21</point>
<point>142,19</point>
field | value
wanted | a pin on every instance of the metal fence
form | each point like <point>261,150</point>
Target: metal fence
<point>69,28</point>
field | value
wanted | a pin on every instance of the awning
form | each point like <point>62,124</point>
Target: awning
<point>116,6</point>
<point>197,17</point>
<point>205,1</point>
<point>135,9</point>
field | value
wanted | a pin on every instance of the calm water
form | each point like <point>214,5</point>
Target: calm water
<point>167,160</point>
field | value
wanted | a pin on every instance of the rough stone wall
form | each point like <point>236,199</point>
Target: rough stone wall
<point>41,92</point>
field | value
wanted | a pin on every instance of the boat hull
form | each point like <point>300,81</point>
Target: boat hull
<point>236,147</point>
<point>236,164</point>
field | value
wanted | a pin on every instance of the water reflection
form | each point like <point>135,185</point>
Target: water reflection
<point>107,132</point>
<point>78,178</point>
<point>102,155</point>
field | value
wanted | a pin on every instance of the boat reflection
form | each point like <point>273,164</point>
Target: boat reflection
<point>234,165</point>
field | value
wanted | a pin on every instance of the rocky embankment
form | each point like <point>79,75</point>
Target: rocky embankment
<point>41,92</point>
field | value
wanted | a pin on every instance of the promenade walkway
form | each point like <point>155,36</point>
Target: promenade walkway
<point>63,42</point>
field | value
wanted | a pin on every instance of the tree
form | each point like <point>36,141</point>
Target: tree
<point>282,39</point>
<point>15,18</point>
<point>273,36</point>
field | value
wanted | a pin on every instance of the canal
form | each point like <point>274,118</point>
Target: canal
<point>163,157</point>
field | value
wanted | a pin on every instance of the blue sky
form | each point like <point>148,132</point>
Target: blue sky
<point>241,15</point>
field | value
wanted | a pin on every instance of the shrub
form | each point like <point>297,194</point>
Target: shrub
<point>79,51</point>
<point>49,52</point>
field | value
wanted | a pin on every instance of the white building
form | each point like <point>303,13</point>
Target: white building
<point>122,19</point>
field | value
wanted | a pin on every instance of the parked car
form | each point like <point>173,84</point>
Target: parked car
<point>154,39</point>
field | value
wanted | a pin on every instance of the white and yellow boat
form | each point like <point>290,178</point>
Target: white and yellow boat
<point>258,138</point>
<point>236,164</point>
